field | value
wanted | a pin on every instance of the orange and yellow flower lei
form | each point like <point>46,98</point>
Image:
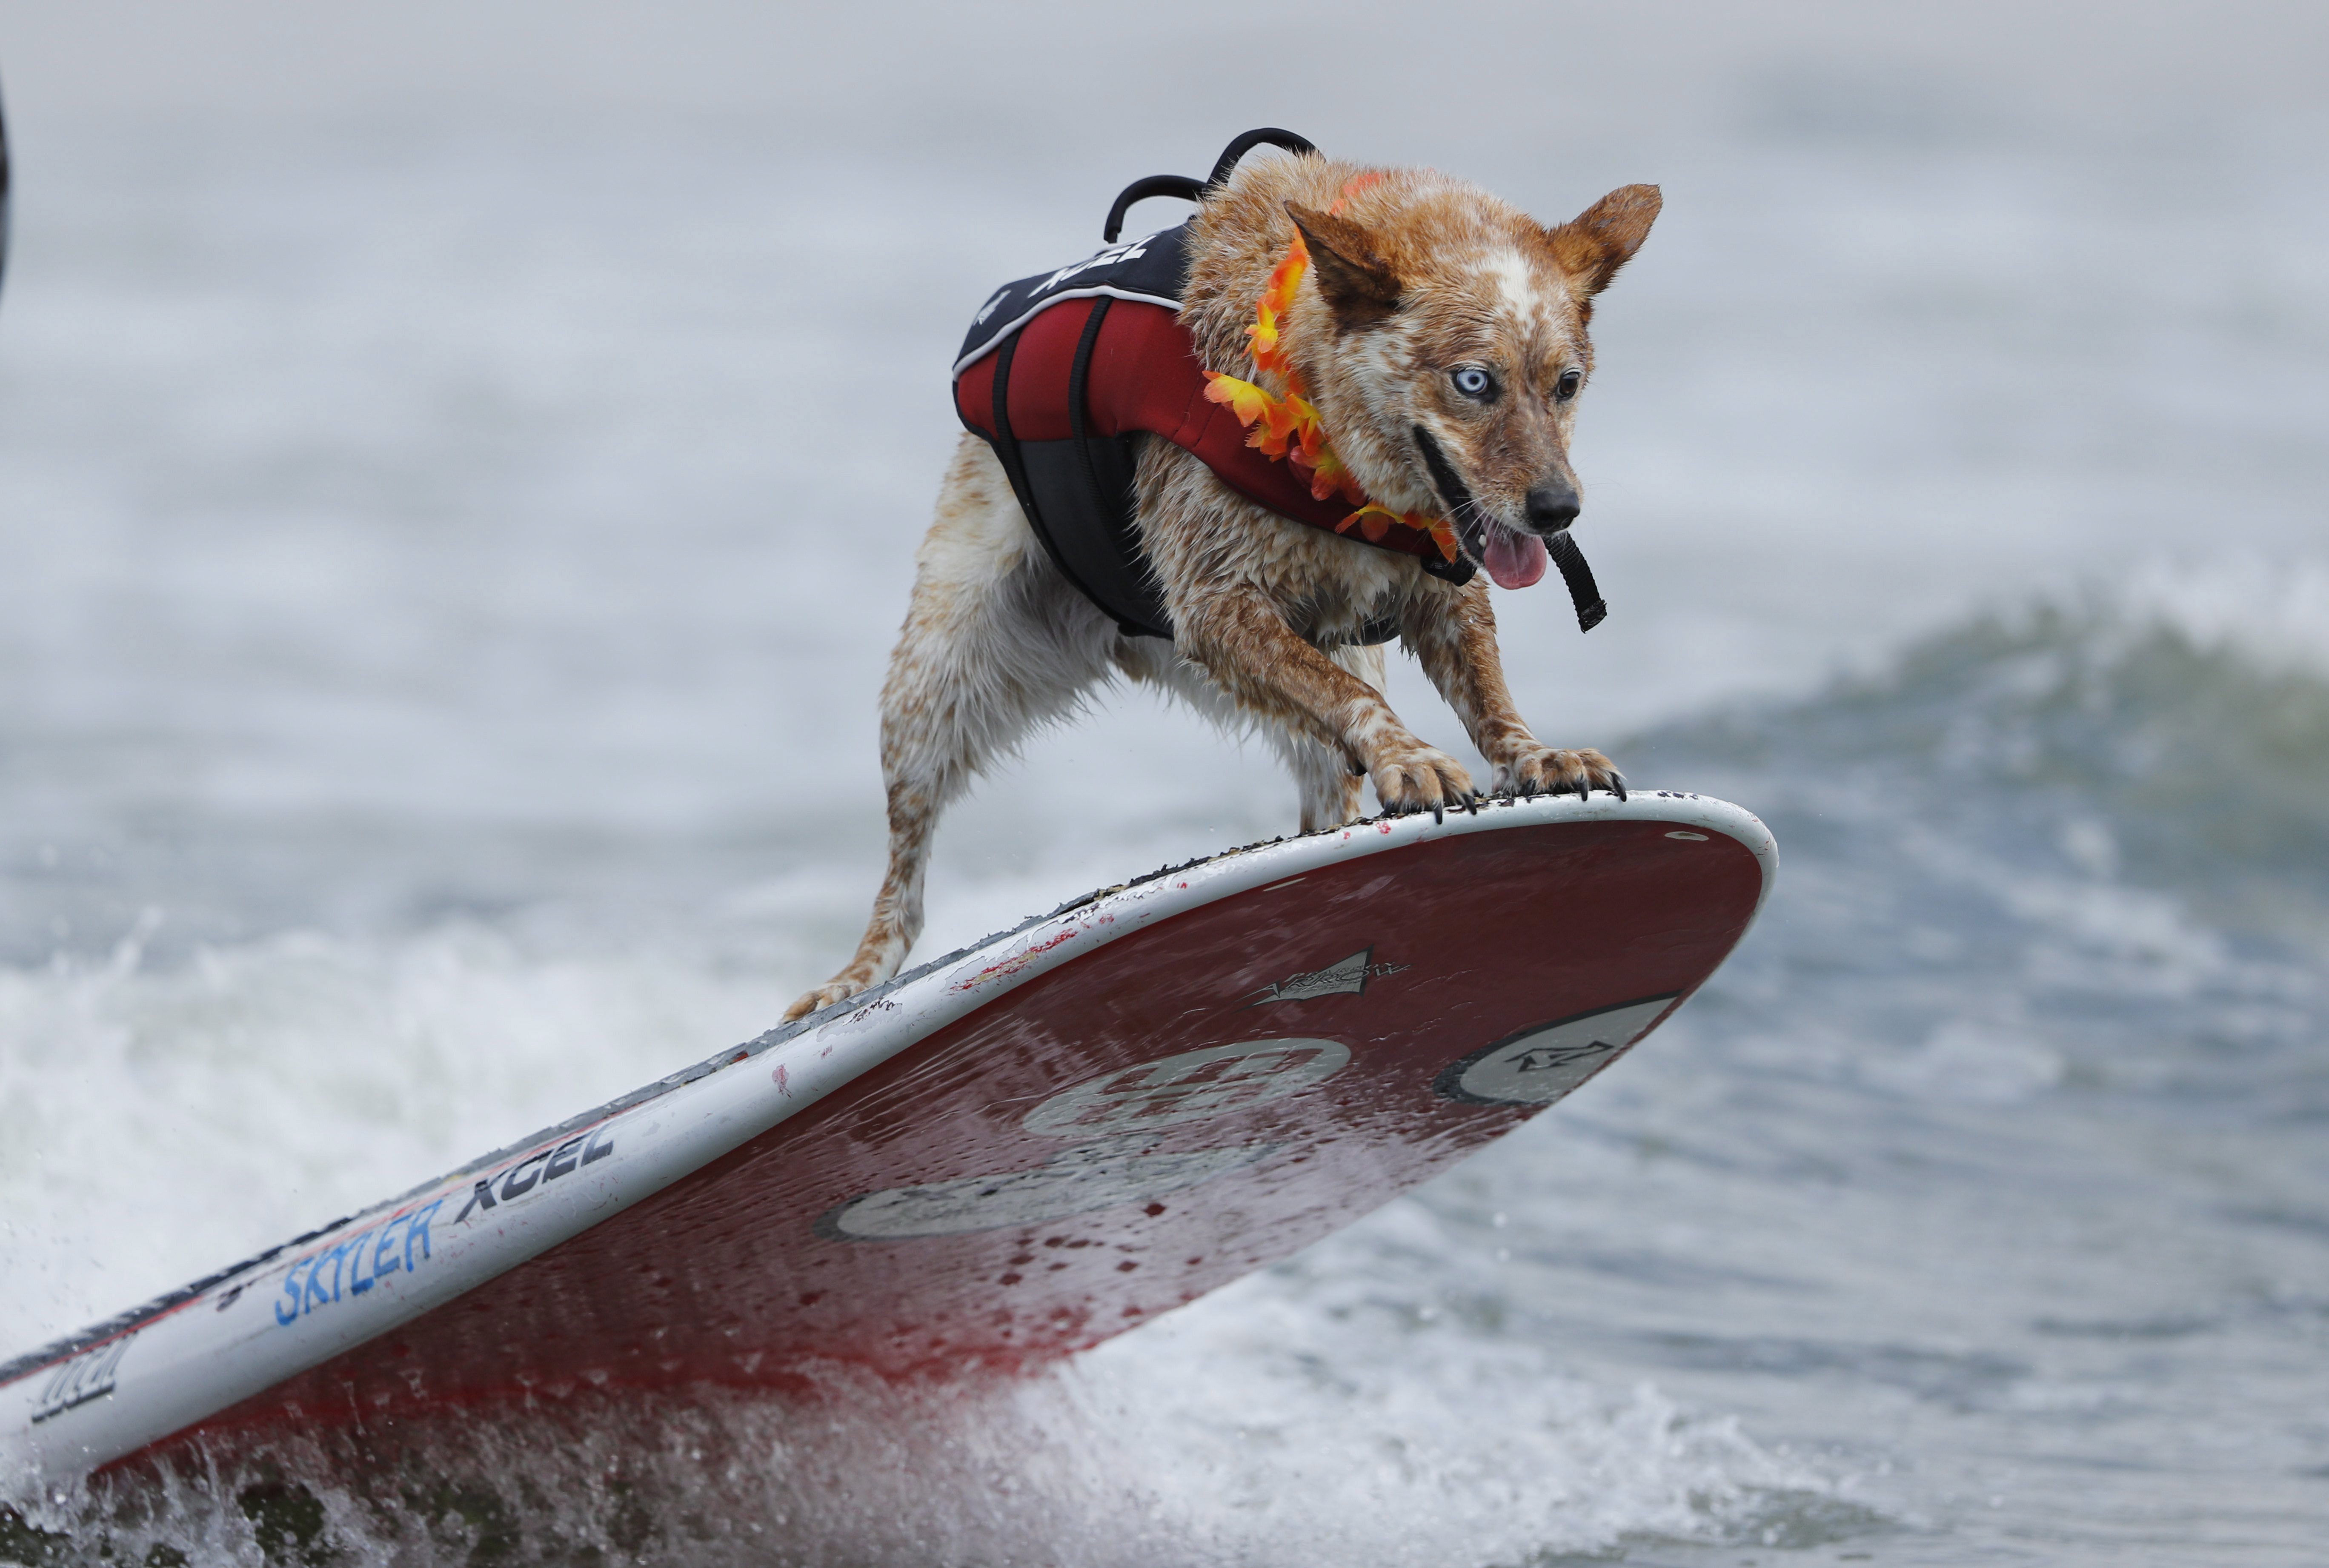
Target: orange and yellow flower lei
<point>1288,427</point>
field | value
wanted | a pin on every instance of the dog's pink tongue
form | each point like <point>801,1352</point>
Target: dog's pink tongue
<point>1515,560</point>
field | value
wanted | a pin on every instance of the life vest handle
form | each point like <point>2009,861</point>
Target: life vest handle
<point>1190,190</point>
<point>1140,189</point>
<point>1251,139</point>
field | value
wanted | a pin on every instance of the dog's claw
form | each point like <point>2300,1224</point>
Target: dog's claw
<point>1553,770</point>
<point>1414,778</point>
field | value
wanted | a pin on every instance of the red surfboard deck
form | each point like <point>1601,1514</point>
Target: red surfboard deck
<point>1088,1122</point>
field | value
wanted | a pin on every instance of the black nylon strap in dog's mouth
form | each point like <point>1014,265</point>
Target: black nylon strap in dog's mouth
<point>1586,599</point>
<point>1583,596</point>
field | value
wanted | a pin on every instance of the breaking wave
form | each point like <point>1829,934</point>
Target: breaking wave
<point>1087,1468</point>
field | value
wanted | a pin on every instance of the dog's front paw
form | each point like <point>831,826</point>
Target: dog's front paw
<point>1554,771</point>
<point>840,988</point>
<point>1415,777</point>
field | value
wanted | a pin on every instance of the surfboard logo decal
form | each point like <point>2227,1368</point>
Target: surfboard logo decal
<point>863,1018</point>
<point>1543,1063</point>
<point>1343,978</point>
<point>536,1170</point>
<point>1075,1181</point>
<point>352,1266</point>
<point>90,1376</point>
<point>1190,1087</point>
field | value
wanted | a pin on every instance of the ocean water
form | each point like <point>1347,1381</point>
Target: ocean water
<point>456,487</point>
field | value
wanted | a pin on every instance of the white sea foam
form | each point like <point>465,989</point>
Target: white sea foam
<point>2272,609</point>
<point>157,1123</point>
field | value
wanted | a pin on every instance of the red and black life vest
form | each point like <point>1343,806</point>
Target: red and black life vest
<point>1063,370</point>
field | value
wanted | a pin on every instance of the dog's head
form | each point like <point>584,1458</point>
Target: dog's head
<point>1443,337</point>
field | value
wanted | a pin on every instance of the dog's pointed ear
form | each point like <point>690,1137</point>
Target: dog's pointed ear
<point>1359,285</point>
<point>1592,246</point>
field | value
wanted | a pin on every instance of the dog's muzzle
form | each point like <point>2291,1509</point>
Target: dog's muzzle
<point>1549,509</point>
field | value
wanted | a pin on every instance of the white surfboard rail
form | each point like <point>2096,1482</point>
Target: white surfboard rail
<point>113,1389</point>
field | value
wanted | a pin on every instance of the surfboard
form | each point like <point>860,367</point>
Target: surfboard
<point>1009,1154</point>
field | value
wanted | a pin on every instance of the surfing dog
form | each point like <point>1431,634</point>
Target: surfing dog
<point>1438,338</point>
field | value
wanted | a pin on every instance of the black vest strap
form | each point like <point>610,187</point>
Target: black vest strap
<point>1077,495</point>
<point>1006,445</point>
<point>1014,466</point>
<point>1108,462</point>
<point>1578,576</point>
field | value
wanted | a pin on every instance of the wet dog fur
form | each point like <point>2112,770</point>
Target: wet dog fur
<point>1414,279</point>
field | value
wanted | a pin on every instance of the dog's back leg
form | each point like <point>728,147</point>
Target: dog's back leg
<point>1330,792</point>
<point>995,642</point>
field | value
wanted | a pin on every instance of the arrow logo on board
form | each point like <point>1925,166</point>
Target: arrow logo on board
<point>1343,978</point>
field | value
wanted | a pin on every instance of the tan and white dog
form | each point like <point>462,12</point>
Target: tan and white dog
<point>1441,336</point>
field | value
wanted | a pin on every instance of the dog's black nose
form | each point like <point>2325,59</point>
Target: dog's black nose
<point>1552,507</point>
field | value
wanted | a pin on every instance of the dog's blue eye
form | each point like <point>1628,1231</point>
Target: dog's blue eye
<point>1566,387</point>
<point>1474,382</point>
